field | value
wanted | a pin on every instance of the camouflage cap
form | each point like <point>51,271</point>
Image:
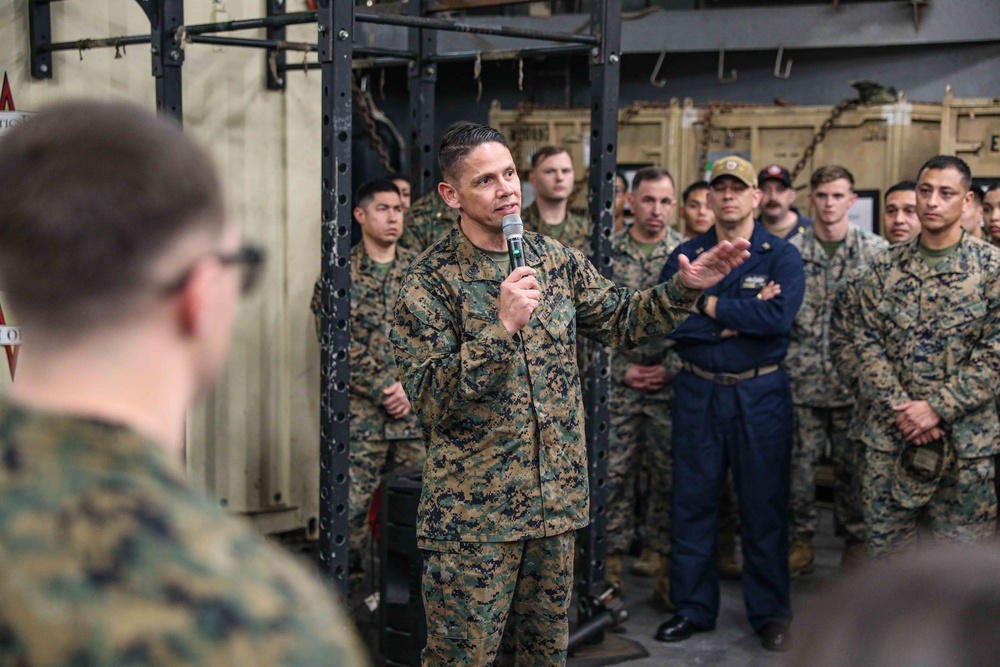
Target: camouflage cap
<point>735,166</point>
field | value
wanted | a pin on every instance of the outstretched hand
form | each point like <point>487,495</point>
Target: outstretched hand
<point>714,265</point>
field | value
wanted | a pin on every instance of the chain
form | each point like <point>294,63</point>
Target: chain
<point>818,138</point>
<point>707,127</point>
<point>361,102</point>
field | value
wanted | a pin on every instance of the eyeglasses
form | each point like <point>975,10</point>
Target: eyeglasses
<point>249,258</point>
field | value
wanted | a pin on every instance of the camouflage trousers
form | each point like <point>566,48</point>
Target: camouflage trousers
<point>817,430</point>
<point>639,440</point>
<point>963,508</point>
<point>498,603</point>
<point>370,459</point>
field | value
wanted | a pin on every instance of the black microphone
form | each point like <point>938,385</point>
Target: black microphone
<point>513,231</point>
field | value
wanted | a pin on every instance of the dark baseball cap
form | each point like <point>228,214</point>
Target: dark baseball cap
<point>775,172</point>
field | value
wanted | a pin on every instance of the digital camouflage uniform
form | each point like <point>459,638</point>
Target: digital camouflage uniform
<point>379,443</point>
<point>426,222</point>
<point>640,420</point>
<point>108,558</point>
<point>823,404</point>
<point>506,472</point>
<point>845,322</point>
<point>575,233</point>
<point>933,335</point>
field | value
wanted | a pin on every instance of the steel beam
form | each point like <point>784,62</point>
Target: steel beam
<point>423,81</point>
<point>336,32</point>
<point>491,28</point>
<point>604,77</point>
<point>274,64</point>
<point>40,36</point>
<point>165,17</point>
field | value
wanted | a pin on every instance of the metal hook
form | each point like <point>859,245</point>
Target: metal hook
<point>653,78</point>
<point>777,65</point>
<point>722,68</point>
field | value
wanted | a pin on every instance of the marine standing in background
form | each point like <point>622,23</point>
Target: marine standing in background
<point>488,360</point>
<point>777,208</point>
<point>695,212</point>
<point>640,385</point>
<point>552,176</point>
<point>733,410</point>
<point>929,357</point>
<point>991,213</point>
<point>830,250</point>
<point>385,434</point>
<point>402,184</point>
<point>621,198</point>
<point>127,288</point>
<point>900,224</point>
<point>426,222</point>
<point>972,220</point>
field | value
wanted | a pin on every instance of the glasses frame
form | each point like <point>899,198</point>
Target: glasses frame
<point>249,257</point>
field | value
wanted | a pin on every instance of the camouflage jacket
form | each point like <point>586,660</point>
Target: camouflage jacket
<point>809,364</point>
<point>575,233</point>
<point>932,335</point>
<point>634,271</point>
<point>108,558</point>
<point>373,366</point>
<point>845,322</point>
<point>426,222</point>
<point>502,415</point>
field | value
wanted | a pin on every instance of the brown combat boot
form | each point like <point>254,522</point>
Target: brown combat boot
<point>647,564</point>
<point>855,555</point>
<point>800,557</point>
<point>730,564</point>
<point>613,573</point>
<point>661,589</point>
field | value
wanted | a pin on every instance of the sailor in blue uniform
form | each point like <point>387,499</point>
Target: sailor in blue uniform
<point>733,409</point>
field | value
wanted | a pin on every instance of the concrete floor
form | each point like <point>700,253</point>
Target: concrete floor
<point>732,643</point>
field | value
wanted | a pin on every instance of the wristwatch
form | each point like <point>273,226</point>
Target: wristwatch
<point>700,304</point>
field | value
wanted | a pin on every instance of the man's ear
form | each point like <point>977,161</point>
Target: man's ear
<point>449,193</point>
<point>193,299</point>
<point>758,195</point>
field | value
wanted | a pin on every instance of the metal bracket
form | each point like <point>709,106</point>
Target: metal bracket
<point>654,77</point>
<point>40,30</point>
<point>777,65</point>
<point>274,64</point>
<point>722,68</point>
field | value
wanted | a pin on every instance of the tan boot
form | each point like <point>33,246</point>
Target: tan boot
<point>647,564</point>
<point>613,571</point>
<point>730,564</point>
<point>661,589</point>
<point>855,555</point>
<point>800,557</point>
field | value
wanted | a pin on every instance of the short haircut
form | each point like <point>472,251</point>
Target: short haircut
<point>547,152</point>
<point>829,174</point>
<point>902,186</point>
<point>366,193</point>
<point>691,189</point>
<point>977,195</point>
<point>949,162</point>
<point>991,187</point>
<point>461,139</point>
<point>94,192</point>
<point>621,175</point>
<point>650,174</point>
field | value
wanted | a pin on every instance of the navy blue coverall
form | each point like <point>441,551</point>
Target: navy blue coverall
<point>746,425</point>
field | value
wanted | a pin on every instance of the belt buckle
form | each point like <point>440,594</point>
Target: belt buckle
<point>725,379</point>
